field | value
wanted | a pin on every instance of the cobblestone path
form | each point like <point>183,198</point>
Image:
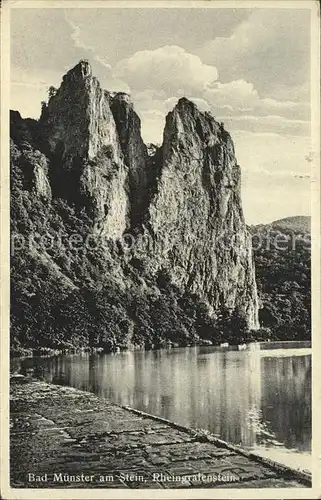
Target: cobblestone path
<point>66,438</point>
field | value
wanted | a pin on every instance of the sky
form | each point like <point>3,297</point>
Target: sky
<point>249,67</point>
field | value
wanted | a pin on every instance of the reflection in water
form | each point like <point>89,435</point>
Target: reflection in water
<point>286,399</point>
<point>259,402</point>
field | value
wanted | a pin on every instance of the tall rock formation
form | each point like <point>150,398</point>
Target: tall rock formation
<point>81,135</point>
<point>182,205</point>
<point>196,218</point>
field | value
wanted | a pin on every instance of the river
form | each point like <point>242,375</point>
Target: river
<point>258,399</point>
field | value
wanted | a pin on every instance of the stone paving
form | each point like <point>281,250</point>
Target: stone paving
<point>66,438</point>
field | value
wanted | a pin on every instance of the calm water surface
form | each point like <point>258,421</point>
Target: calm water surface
<point>261,401</point>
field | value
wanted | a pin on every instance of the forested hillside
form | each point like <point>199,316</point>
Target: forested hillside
<point>282,253</point>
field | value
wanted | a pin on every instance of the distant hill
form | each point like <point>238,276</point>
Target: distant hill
<point>297,224</point>
<point>282,257</point>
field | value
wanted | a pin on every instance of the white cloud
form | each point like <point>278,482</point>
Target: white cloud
<point>278,124</point>
<point>150,94</point>
<point>232,92</point>
<point>236,103</point>
<point>272,166</point>
<point>78,42</point>
<point>240,96</point>
<point>168,68</point>
<point>296,110</point>
<point>270,49</point>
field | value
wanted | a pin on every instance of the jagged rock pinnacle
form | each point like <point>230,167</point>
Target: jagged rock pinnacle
<point>183,101</point>
<point>123,97</point>
<point>80,71</point>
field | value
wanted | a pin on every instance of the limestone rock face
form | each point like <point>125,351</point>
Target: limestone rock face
<point>135,153</point>
<point>81,133</point>
<point>41,183</point>
<point>33,163</point>
<point>78,117</point>
<point>181,201</point>
<point>196,218</point>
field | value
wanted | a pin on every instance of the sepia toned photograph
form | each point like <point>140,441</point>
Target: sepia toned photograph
<point>162,185</point>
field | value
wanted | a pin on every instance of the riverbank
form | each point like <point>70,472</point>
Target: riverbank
<point>22,352</point>
<point>63,437</point>
<point>270,345</point>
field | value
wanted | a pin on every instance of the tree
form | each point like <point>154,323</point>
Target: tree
<point>52,91</point>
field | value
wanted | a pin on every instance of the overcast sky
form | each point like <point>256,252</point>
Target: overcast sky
<point>250,67</point>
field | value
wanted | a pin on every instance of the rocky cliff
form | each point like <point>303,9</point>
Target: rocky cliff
<point>196,214</point>
<point>83,168</point>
